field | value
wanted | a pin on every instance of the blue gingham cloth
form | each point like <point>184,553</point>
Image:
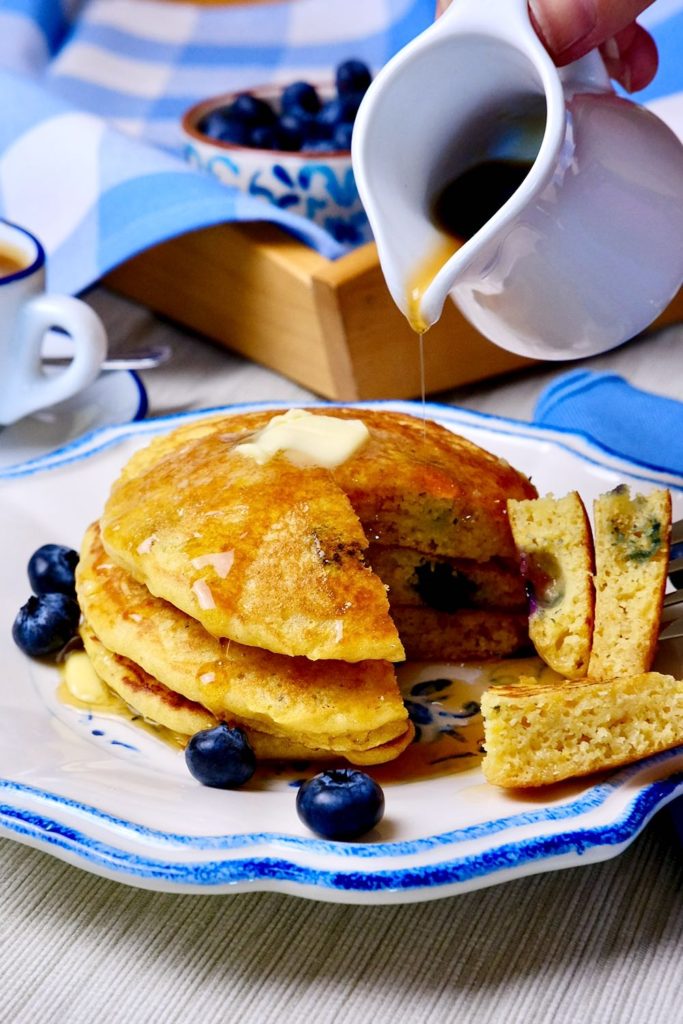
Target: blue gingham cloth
<point>644,427</point>
<point>92,91</point>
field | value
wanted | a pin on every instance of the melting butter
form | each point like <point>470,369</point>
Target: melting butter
<point>80,687</point>
<point>82,681</point>
<point>318,440</point>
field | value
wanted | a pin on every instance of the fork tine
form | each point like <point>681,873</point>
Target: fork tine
<point>677,532</point>
<point>676,565</point>
<point>672,631</point>
<point>672,606</point>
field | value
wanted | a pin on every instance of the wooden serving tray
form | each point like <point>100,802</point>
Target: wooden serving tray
<point>328,325</point>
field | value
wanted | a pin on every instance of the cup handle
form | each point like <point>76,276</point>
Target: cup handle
<point>33,388</point>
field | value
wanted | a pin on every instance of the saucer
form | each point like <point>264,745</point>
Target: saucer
<point>115,398</point>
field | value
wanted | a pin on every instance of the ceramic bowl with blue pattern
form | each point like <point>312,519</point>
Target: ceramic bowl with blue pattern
<point>317,185</point>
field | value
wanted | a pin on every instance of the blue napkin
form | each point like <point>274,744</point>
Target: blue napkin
<point>644,427</point>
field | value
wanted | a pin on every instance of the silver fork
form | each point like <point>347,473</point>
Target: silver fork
<point>672,608</point>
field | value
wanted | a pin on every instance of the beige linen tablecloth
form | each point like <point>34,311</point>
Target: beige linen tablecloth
<point>596,944</point>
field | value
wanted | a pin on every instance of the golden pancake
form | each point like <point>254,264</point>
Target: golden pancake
<point>555,545</point>
<point>467,635</point>
<point>269,555</point>
<point>345,708</point>
<point>536,733</point>
<point>632,547</point>
<point>158,705</point>
<point>447,584</point>
<point>273,555</point>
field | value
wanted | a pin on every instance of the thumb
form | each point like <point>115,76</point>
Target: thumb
<point>570,28</point>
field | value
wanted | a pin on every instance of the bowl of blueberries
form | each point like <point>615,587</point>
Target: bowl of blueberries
<point>289,145</point>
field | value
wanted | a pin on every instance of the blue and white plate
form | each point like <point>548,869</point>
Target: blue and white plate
<point>115,397</point>
<point>114,800</point>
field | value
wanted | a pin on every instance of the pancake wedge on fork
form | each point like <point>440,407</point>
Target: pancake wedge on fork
<point>159,659</point>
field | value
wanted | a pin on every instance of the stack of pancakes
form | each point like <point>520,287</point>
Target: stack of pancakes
<point>278,595</point>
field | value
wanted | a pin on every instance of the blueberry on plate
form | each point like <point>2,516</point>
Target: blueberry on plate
<point>45,624</point>
<point>51,570</point>
<point>353,76</point>
<point>220,757</point>
<point>300,97</point>
<point>340,803</point>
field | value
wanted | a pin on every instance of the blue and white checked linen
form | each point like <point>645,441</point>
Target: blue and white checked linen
<point>92,91</point>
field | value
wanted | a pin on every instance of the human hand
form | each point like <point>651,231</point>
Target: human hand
<point>570,28</point>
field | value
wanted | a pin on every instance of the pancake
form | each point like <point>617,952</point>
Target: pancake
<point>555,546</point>
<point>471,634</point>
<point>353,709</point>
<point>447,584</point>
<point>632,546</point>
<point>536,733</point>
<point>273,555</point>
<point>158,705</point>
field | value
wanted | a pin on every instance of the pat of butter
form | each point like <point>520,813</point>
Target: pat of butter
<point>82,681</point>
<point>318,440</point>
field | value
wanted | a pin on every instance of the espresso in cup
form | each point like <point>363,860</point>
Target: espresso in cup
<point>11,260</point>
<point>27,313</point>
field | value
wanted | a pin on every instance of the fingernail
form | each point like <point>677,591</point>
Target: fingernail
<point>564,23</point>
<point>625,77</point>
<point>610,48</point>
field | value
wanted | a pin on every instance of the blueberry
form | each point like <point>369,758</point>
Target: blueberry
<point>300,96</point>
<point>290,132</point>
<point>442,587</point>
<point>45,624</point>
<point>51,570</point>
<point>220,757</point>
<point>337,111</point>
<point>264,137</point>
<point>252,110</point>
<point>340,803</point>
<point>319,146</point>
<point>341,137</point>
<point>353,76</point>
<point>221,125</point>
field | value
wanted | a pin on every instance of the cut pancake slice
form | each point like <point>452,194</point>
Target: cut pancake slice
<point>632,545</point>
<point>555,548</point>
<point>352,709</point>
<point>539,733</point>
<point>160,706</point>
<point>273,555</point>
<point>447,584</point>
<point>467,635</point>
<point>268,555</point>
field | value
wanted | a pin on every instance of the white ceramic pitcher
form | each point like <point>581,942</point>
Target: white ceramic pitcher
<point>587,251</point>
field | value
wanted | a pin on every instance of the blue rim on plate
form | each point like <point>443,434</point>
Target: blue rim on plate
<point>591,823</point>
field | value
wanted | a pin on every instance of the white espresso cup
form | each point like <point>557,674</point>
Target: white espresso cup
<point>27,312</point>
